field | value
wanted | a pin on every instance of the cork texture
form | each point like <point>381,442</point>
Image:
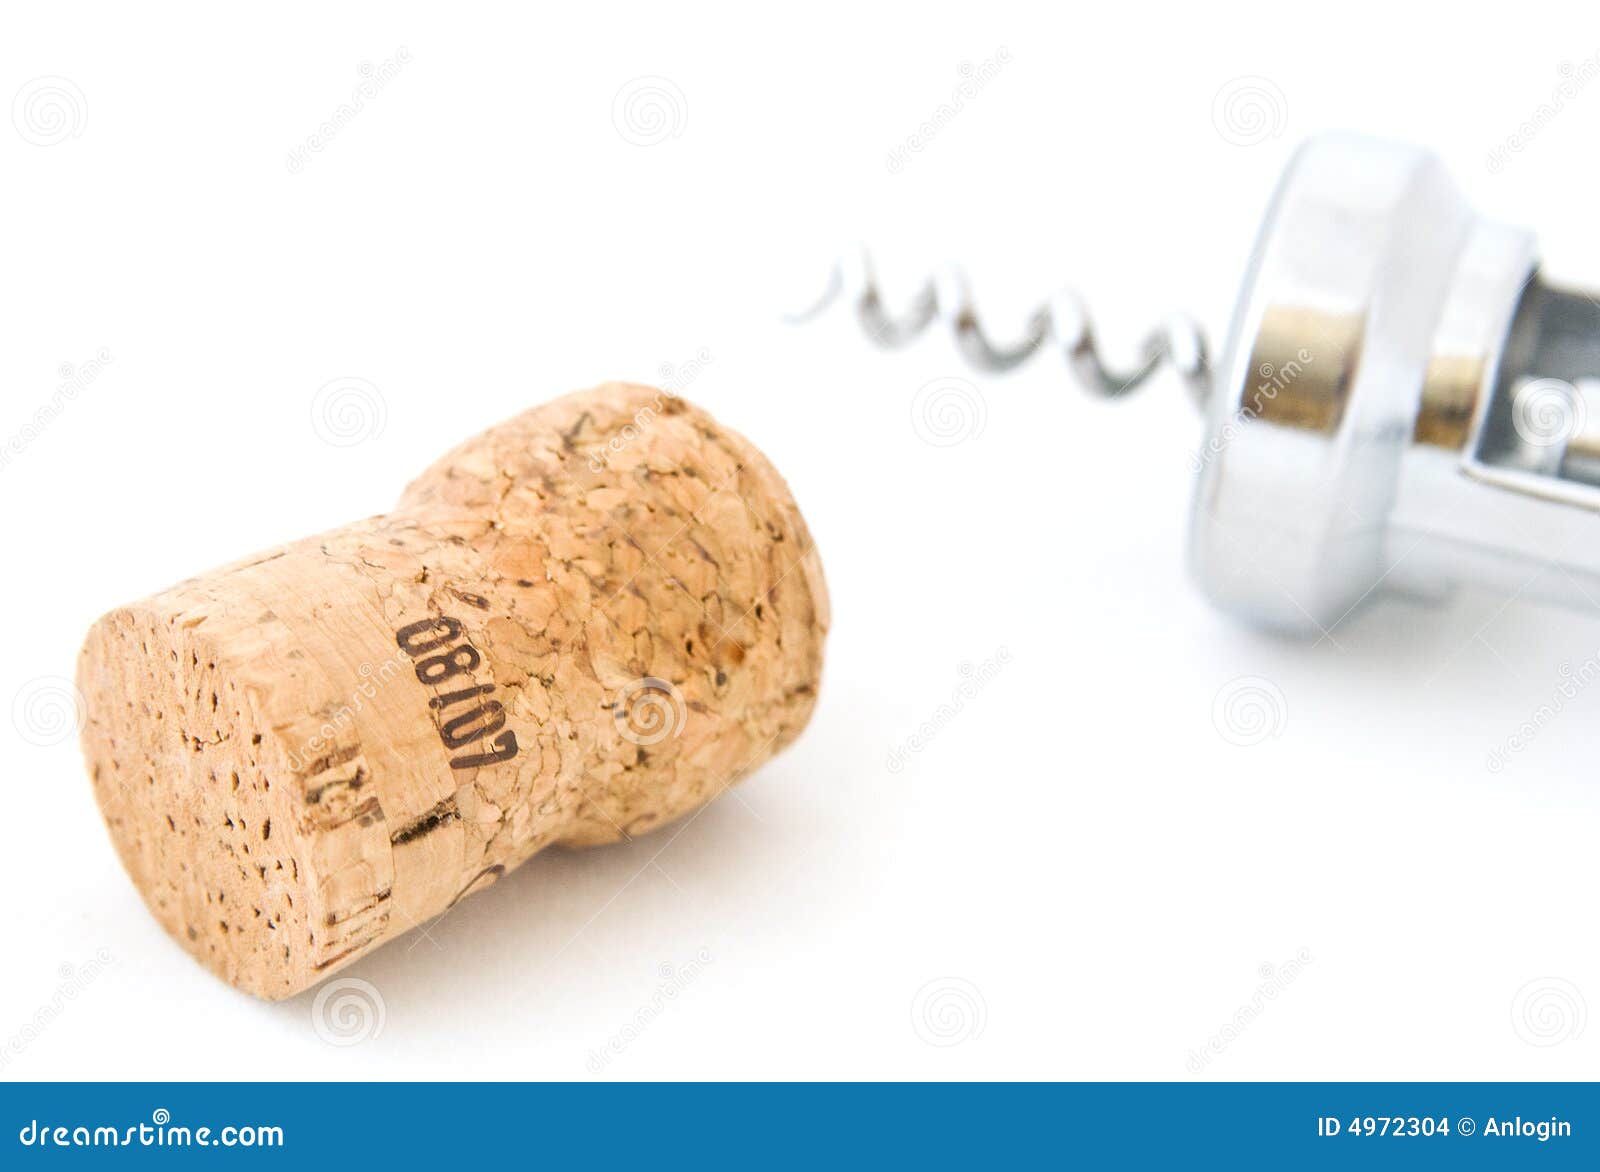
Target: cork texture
<point>578,626</point>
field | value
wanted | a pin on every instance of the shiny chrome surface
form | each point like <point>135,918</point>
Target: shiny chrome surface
<point>1402,405</point>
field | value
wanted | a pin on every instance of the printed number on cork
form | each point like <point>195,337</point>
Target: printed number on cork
<point>441,659</point>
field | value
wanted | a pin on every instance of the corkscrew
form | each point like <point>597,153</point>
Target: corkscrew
<point>1062,320</point>
<point>1403,405</point>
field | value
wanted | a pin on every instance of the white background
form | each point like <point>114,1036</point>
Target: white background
<point>1089,874</point>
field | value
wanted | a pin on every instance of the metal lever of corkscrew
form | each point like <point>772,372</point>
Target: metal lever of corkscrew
<point>1403,405</point>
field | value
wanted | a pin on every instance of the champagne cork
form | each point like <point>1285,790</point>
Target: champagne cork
<point>578,626</point>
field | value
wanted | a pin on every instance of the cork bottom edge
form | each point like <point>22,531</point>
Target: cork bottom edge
<point>202,815</point>
<point>180,770</point>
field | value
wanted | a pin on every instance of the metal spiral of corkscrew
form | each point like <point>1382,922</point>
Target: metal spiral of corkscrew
<point>1062,321</point>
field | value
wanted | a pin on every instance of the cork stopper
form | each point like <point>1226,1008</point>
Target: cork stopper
<point>575,628</point>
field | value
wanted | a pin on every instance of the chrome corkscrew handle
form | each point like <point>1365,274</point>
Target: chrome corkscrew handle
<point>1404,405</point>
<point>1063,321</point>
